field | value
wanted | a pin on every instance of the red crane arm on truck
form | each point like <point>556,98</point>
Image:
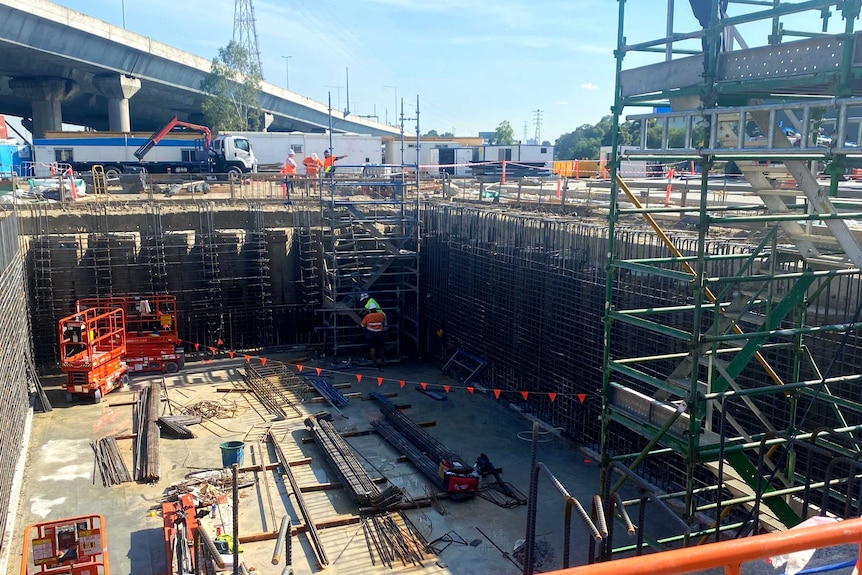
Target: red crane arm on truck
<point>161,133</point>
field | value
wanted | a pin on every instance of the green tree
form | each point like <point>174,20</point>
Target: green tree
<point>504,135</point>
<point>447,135</point>
<point>232,91</point>
<point>432,134</point>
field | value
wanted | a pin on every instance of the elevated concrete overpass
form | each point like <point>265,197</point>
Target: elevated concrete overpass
<point>54,61</point>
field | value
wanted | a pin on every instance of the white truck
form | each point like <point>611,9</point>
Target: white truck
<point>270,148</point>
<point>164,151</point>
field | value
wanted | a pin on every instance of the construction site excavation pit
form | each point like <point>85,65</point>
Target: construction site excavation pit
<point>470,536</point>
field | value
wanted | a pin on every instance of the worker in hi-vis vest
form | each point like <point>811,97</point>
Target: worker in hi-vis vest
<point>329,161</point>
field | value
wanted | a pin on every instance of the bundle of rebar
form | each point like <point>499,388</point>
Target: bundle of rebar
<point>391,537</point>
<point>176,426</point>
<point>146,429</point>
<point>351,472</point>
<point>109,461</point>
<point>422,462</point>
<point>325,388</point>
<point>418,436</point>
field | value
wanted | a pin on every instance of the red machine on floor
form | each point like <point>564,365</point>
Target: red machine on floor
<point>92,346</point>
<point>73,546</point>
<point>152,343</point>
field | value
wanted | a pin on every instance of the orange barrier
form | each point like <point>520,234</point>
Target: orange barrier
<point>577,168</point>
<point>729,555</point>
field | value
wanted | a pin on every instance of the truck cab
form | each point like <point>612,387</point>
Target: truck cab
<point>233,155</point>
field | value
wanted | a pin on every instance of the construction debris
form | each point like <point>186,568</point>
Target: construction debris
<point>211,409</point>
<point>176,426</point>
<point>109,461</point>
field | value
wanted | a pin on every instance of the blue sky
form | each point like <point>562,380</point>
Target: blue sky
<point>472,64</point>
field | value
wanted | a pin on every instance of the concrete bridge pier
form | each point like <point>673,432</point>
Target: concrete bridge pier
<point>46,95</point>
<point>117,88</point>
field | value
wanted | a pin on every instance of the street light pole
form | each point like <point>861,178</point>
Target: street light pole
<point>287,71</point>
<point>123,8</point>
<point>338,88</point>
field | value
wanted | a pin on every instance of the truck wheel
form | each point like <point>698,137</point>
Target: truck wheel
<point>113,172</point>
<point>234,172</point>
<point>124,381</point>
<point>97,396</point>
<point>69,397</point>
<point>171,367</point>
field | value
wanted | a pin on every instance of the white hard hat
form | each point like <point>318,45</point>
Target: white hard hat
<point>363,297</point>
<point>314,156</point>
<point>290,152</point>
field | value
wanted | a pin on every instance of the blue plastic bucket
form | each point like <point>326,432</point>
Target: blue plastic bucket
<point>232,452</point>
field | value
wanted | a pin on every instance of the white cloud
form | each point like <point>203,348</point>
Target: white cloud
<point>589,86</point>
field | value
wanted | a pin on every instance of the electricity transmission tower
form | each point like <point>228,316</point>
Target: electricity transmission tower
<point>245,32</point>
<point>537,114</point>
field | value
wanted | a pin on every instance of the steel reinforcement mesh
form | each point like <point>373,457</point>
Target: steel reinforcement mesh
<point>525,292</point>
<point>14,352</point>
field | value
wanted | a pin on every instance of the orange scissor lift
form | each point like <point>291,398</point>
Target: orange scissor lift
<point>152,343</point>
<point>92,346</point>
<point>73,546</point>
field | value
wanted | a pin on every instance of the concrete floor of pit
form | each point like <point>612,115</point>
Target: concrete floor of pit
<point>59,480</point>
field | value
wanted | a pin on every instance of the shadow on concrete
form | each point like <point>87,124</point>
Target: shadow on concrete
<point>147,552</point>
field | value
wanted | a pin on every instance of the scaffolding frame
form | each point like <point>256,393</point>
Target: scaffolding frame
<point>738,370</point>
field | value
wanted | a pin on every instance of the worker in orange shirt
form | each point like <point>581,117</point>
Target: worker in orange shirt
<point>289,172</point>
<point>312,165</point>
<point>374,323</point>
<point>329,161</point>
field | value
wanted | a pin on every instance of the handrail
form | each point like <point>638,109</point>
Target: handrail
<point>729,555</point>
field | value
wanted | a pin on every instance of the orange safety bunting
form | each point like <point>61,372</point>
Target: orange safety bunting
<point>497,393</point>
<point>197,346</point>
<point>525,394</point>
<point>401,382</point>
<point>582,397</point>
<point>220,341</point>
<point>179,341</point>
<point>318,370</point>
<point>231,354</point>
<point>358,378</point>
<point>212,350</point>
<point>208,361</point>
<point>446,388</point>
<point>247,357</point>
<point>423,384</point>
<point>299,368</point>
<point>552,395</point>
<point>379,381</point>
<point>471,390</point>
<point>263,361</point>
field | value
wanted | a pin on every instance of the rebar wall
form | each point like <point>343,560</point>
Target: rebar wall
<point>14,353</point>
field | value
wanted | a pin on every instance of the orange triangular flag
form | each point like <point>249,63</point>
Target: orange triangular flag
<point>446,388</point>
<point>220,342</point>
<point>471,390</point>
<point>263,361</point>
<point>497,393</point>
<point>358,378</point>
<point>582,397</point>
<point>231,354</point>
<point>212,350</point>
<point>247,357</point>
<point>208,361</point>
<point>423,384</point>
<point>299,368</point>
<point>179,341</point>
<point>552,395</point>
<point>318,370</point>
<point>525,394</point>
<point>401,382</point>
<point>379,381</point>
<point>197,346</point>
